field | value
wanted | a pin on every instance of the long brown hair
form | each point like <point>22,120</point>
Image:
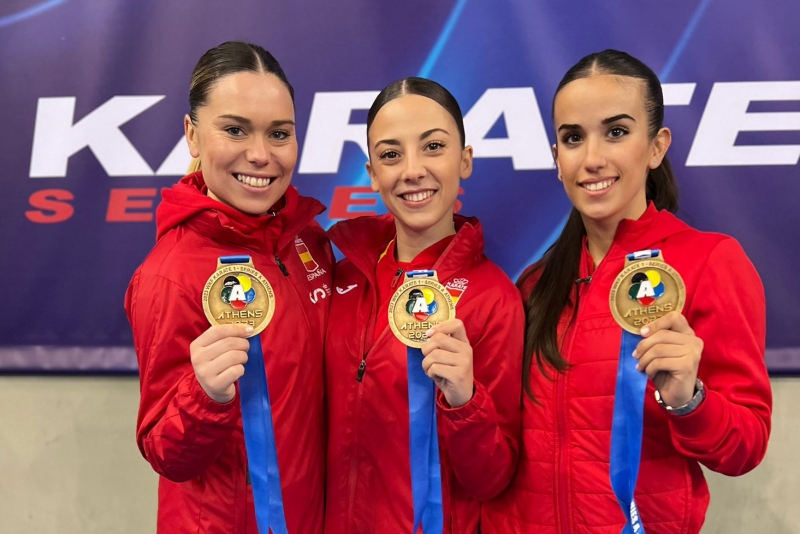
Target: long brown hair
<point>559,266</point>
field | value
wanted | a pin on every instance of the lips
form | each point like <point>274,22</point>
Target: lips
<point>253,181</point>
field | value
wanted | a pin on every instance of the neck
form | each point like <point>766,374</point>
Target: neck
<point>600,232</point>
<point>410,242</point>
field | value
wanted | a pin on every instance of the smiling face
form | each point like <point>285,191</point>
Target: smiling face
<point>416,163</point>
<point>604,151</point>
<point>245,138</point>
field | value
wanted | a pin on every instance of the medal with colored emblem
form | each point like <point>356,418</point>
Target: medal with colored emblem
<point>646,289</point>
<point>418,305</point>
<point>238,294</point>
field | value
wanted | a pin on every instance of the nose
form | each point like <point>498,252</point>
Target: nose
<point>595,158</point>
<point>413,169</point>
<point>258,151</point>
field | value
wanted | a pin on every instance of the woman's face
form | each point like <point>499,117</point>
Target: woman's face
<point>245,139</point>
<point>416,163</point>
<point>603,150</point>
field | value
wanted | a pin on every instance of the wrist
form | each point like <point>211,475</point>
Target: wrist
<point>458,400</point>
<point>688,407</point>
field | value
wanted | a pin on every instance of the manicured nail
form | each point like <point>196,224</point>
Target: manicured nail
<point>637,367</point>
<point>645,330</point>
<point>633,354</point>
<point>429,332</point>
<point>249,329</point>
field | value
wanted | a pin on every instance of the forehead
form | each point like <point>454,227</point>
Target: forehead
<point>414,113</point>
<point>250,94</point>
<point>598,97</point>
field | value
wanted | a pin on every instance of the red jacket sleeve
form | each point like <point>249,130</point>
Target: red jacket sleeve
<point>482,436</point>
<point>728,432</point>
<point>180,430</point>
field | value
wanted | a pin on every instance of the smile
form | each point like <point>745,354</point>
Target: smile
<point>599,186</point>
<point>417,196</point>
<point>252,181</point>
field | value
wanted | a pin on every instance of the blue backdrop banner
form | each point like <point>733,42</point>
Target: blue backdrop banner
<point>94,94</point>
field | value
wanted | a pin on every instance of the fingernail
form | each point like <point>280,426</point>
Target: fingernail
<point>645,330</point>
<point>637,367</point>
<point>633,354</point>
<point>429,332</point>
<point>249,329</point>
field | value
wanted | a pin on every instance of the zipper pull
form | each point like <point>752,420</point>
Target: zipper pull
<point>362,368</point>
<point>396,278</point>
<point>281,265</point>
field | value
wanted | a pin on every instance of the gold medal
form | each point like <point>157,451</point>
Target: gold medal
<point>418,305</point>
<point>238,294</point>
<point>646,289</point>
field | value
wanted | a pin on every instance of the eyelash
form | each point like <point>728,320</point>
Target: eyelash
<point>280,135</point>
<point>566,138</point>
<point>439,145</point>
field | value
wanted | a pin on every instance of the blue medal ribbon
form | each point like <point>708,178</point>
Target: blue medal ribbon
<point>259,436</point>
<point>628,423</point>
<point>426,472</point>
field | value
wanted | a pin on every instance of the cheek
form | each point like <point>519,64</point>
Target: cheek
<point>287,156</point>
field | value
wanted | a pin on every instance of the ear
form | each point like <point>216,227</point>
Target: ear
<point>373,180</point>
<point>555,160</point>
<point>191,136</point>
<point>466,162</point>
<point>661,144</point>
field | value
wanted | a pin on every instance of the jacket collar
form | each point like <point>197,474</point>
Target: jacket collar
<point>362,240</point>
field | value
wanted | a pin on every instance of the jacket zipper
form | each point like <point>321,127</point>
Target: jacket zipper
<point>281,266</point>
<point>362,369</point>
<point>563,494</point>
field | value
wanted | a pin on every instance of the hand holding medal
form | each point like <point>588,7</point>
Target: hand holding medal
<point>670,355</point>
<point>218,358</point>
<point>448,361</point>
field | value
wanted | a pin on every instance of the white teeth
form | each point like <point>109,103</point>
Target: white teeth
<point>597,186</point>
<point>417,197</point>
<point>252,181</point>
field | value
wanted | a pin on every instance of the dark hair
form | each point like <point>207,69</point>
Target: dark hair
<point>421,87</point>
<point>555,289</point>
<point>229,58</point>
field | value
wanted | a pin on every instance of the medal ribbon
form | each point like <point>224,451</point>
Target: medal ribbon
<point>259,435</point>
<point>627,424</point>
<point>426,473</point>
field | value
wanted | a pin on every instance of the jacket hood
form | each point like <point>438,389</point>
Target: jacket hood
<point>187,202</point>
<point>651,228</point>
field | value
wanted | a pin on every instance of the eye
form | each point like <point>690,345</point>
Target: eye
<point>617,132</point>
<point>235,131</point>
<point>434,145</point>
<point>390,154</point>
<point>571,139</point>
<point>280,135</point>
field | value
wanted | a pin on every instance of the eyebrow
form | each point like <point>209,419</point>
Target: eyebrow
<point>609,120</point>
<point>427,133</point>
<point>248,122</point>
<point>615,118</point>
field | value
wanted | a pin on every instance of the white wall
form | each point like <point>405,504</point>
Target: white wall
<point>69,463</point>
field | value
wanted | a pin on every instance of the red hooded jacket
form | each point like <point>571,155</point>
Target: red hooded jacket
<point>193,442</point>
<point>369,477</point>
<point>563,484</point>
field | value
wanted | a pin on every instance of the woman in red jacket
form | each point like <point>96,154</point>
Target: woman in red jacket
<point>240,211</point>
<point>707,398</point>
<point>379,478</point>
